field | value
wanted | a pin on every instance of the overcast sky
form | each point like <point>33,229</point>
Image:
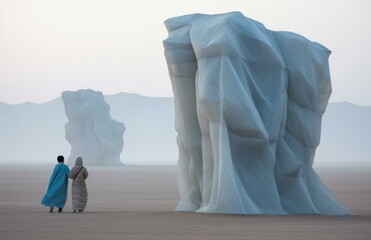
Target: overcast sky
<point>116,45</point>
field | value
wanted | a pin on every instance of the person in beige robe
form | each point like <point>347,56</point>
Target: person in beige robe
<point>79,191</point>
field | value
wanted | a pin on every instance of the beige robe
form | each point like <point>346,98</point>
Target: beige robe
<point>79,190</point>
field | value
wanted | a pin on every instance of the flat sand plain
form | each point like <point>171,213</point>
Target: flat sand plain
<point>137,203</point>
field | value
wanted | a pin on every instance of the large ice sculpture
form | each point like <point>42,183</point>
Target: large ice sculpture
<point>248,108</point>
<point>91,131</point>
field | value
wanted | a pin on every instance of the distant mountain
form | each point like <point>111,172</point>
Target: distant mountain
<point>34,133</point>
<point>345,139</point>
<point>150,137</point>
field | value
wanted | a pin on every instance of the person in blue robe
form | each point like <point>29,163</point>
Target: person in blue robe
<point>56,194</point>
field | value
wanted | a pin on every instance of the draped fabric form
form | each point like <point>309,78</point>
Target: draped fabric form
<point>56,194</point>
<point>248,109</point>
<point>90,130</point>
<point>79,174</point>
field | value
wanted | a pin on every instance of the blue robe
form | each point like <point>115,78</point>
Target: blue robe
<point>56,195</point>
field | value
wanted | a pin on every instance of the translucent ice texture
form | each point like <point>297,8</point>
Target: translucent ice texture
<point>248,109</point>
<point>91,131</point>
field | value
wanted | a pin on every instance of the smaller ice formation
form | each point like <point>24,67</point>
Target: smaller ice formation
<point>248,110</point>
<point>91,131</point>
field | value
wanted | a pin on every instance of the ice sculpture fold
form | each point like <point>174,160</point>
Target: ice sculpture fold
<point>91,131</point>
<point>248,109</point>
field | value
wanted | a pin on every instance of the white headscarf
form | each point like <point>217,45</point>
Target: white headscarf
<point>78,161</point>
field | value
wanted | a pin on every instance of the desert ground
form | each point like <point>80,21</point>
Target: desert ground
<point>133,202</point>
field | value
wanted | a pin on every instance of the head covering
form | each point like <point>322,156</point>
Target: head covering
<point>78,161</point>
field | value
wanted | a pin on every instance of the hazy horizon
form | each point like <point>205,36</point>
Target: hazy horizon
<point>140,94</point>
<point>31,127</point>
